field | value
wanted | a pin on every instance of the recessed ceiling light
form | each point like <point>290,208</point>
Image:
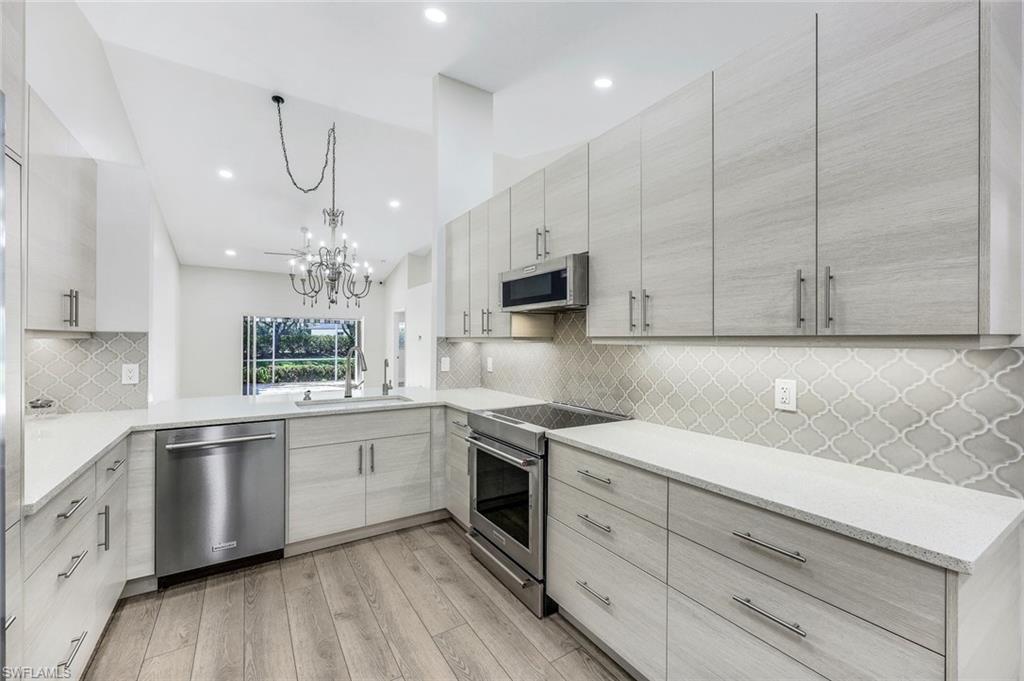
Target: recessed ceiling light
<point>225,173</point>
<point>230,252</point>
<point>395,203</point>
<point>603,83</point>
<point>435,15</point>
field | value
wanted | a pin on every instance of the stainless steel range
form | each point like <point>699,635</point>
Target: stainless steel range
<point>508,491</point>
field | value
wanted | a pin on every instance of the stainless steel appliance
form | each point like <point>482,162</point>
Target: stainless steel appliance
<point>508,491</point>
<point>556,284</point>
<point>219,498</point>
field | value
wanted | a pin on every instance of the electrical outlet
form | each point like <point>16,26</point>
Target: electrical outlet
<point>446,364</point>
<point>785,394</point>
<point>129,374</point>
<point>490,365</point>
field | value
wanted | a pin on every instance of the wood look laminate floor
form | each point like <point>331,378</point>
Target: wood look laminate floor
<point>411,605</point>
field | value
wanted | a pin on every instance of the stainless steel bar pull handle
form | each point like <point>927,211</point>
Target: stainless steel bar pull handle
<point>360,471</point>
<point>497,453</point>
<point>828,297</point>
<point>586,473</point>
<point>465,323</point>
<point>75,562</point>
<point>78,319</point>
<point>9,621</point>
<point>76,644</point>
<point>489,328</point>
<point>746,536</point>
<point>114,466</point>
<point>105,544</point>
<point>546,251</point>
<point>799,299</point>
<point>75,505</point>
<point>70,295</point>
<point>632,323</point>
<point>174,446</point>
<point>587,519</point>
<point>536,245</point>
<point>372,458</point>
<point>792,627</point>
<point>586,587</point>
<point>645,299</point>
<point>460,424</point>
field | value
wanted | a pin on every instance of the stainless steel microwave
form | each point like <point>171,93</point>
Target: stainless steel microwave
<point>549,286</point>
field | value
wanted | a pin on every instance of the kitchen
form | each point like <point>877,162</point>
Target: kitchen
<point>715,373</point>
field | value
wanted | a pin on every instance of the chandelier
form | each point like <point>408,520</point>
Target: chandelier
<point>332,268</point>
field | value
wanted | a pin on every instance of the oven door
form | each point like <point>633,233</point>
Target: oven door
<point>506,503</point>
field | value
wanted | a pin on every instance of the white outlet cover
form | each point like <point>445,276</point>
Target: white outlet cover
<point>490,365</point>
<point>129,374</point>
<point>785,394</point>
<point>446,364</point>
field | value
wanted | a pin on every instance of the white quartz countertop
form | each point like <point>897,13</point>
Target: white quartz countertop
<point>941,524</point>
<point>58,448</point>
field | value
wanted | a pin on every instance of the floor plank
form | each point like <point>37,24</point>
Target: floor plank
<point>416,538</point>
<point>221,642</point>
<point>435,610</point>
<point>593,652</point>
<point>417,655</point>
<point>121,652</point>
<point>550,639</point>
<point>520,659</point>
<point>173,666</point>
<point>268,647</point>
<point>468,656</point>
<point>579,665</point>
<point>177,625</point>
<point>367,652</point>
<point>318,655</point>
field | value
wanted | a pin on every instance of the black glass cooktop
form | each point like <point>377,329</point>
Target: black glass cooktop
<point>552,415</point>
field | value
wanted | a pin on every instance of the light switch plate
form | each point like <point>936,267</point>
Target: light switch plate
<point>785,394</point>
<point>129,374</point>
<point>446,364</point>
<point>490,365</point>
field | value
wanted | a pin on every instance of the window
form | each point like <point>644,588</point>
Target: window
<point>282,354</point>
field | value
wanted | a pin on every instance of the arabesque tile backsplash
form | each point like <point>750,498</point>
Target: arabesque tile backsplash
<point>84,374</point>
<point>950,415</point>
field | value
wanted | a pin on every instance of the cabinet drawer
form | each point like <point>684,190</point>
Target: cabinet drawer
<point>898,593</point>
<point>635,490</point>
<point>640,542</point>
<point>62,607</point>
<point>830,641</point>
<point>619,603</point>
<point>325,430</point>
<point>703,645</point>
<point>46,528</point>
<point>111,466</point>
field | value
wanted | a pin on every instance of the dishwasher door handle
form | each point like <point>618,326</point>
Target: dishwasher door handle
<point>177,446</point>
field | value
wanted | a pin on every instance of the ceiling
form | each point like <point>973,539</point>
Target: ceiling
<point>195,80</point>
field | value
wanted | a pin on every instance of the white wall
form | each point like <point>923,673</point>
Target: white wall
<point>123,247</point>
<point>213,302</point>
<point>408,288</point>
<point>164,310</point>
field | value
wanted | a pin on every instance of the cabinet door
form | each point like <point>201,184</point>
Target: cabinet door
<point>566,216</point>
<point>615,232</point>
<point>499,249</point>
<point>398,479</point>
<point>676,222</point>
<point>765,240</point>
<point>110,549</point>
<point>898,140</point>
<point>457,479</point>
<point>527,197</point>
<point>326,490</point>
<point>12,17</point>
<point>478,277</point>
<point>456,242</point>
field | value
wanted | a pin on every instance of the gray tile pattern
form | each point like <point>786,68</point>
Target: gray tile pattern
<point>951,415</point>
<point>85,374</point>
<point>465,364</point>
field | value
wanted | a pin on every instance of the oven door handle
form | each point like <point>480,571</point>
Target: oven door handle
<point>508,458</point>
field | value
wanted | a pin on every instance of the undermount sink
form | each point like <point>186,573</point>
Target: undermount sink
<point>360,402</point>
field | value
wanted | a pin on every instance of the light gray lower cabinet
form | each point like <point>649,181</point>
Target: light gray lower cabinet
<point>141,513</point>
<point>457,467</point>
<point>111,554</point>
<point>326,490</point>
<point>398,482</point>
<point>457,276</point>
<point>14,602</point>
<point>478,270</point>
<point>565,205</point>
<point>765,248</point>
<point>527,216</point>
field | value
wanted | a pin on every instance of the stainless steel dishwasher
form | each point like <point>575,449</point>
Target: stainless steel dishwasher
<point>219,498</point>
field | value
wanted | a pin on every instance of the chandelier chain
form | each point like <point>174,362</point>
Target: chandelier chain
<point>329,157</point>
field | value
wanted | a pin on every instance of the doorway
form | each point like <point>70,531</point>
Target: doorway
<point>400,349</point>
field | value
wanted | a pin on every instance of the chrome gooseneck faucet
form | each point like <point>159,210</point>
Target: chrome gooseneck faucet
<point>355,351</point>
<point>386,388</point>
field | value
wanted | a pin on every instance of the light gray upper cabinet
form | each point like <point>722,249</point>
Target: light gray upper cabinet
<point>565,205</point>
<point>613,309</point>
<point>12,74</point>
<point>456,315</point>
<point>478,274</point>
<point>898,183</point>
<point>764,176</point>
<point>527,197</point>
<point>499,244</point>
<point>676,214</point>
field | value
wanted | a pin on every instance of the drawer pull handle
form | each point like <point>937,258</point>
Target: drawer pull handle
<point>586,587</point>
<point>76,644</point>
<point>793,628</point>
<point>586,473</point>
<point>9,621</point>
<point>746,536</point>
<point>75,505</point>
<point>105,544</point>
<point>586,518</point>
<point>114,466</point>
<point>460,424</point>
<point>74,565</point>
